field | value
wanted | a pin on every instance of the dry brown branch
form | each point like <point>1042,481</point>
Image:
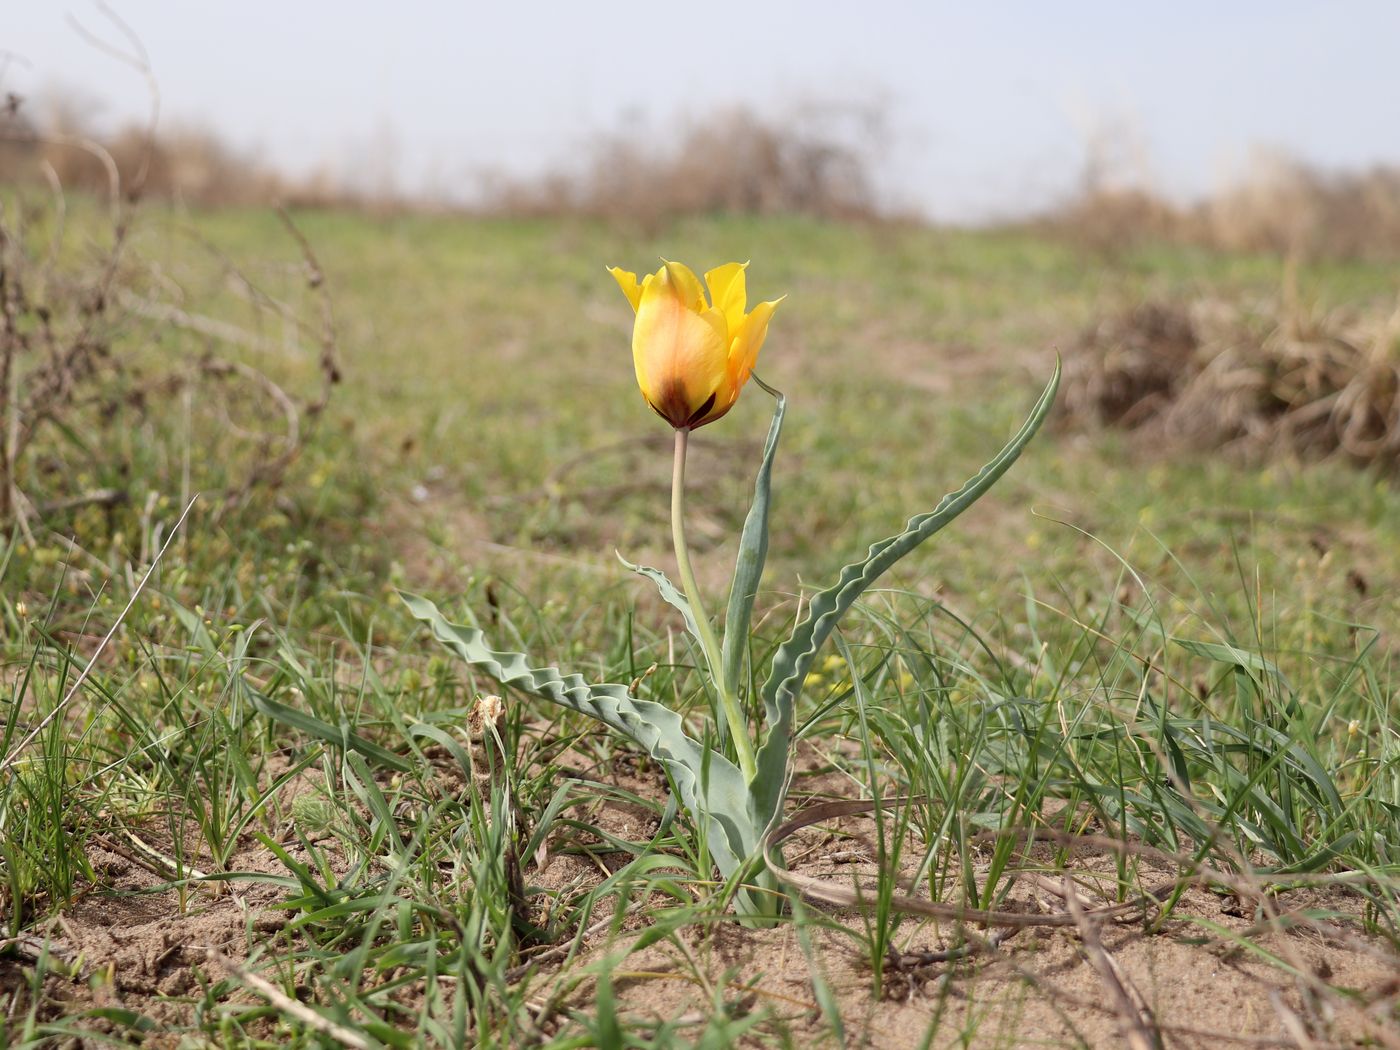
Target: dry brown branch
<point>136,58</point>
<point>66,360</point>
<point>60,364</point>
<point>289,1006</point>
<point>846,897</point>
<point>87,145</point>
<point>95,498</point>
<point>1139,1028</point>
<point>316,281</point>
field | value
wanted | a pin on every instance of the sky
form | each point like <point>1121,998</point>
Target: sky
<point>988,107</point>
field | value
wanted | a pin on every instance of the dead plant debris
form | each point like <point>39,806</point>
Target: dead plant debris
<point>1210,375</point>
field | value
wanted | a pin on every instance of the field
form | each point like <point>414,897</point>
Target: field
<point>271,815</point>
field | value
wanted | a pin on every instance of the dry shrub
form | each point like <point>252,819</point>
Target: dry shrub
<point>189,164</point>
<point>1126,368</point>
<point>1107,220</point>
<point>1283,205</point>
<point>1280,205</point>
<point>808,161</point>
<point>1211,376</point>
<point>813,160</point>
<point>85,364</point>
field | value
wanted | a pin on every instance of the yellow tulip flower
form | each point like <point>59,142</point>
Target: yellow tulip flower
<point>693,355</point>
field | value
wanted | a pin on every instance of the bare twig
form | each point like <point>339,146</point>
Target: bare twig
<point>316,281</point>
<point>289,1006</point>
<point>95,498</point>
<point>562,950</point>
<point>1139,1028</point>
<point>156,861</point>
<point>168,313</point>
<point>137,58</point>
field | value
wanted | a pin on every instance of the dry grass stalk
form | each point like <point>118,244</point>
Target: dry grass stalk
<point>77,685</point>
<point>286,1004</point>
<point>1139,1027</point>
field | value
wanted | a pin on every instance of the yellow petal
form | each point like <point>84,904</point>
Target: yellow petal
<point>727,291</point>
<point>627,281</point>
<point>715,319</point>
<point>743,352</point>
<point>680,355</point>
<point>683,277</point>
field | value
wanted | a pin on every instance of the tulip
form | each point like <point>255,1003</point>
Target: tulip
<point>693,355</point>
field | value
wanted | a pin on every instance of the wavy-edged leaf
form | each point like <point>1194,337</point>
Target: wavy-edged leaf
<point>711,787</point>
<point>753,552</point>
<point>793,659</point>
<point>673,597</point>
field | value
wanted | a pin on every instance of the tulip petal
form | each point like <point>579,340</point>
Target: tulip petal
<point>716,320</point>
<point>691,291</point>
<point>627,281</point>
<point>743,353</point>
<point>680,355</point>
<point>728,291</point>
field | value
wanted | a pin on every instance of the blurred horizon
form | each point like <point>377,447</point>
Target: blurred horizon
<point>965,115</point>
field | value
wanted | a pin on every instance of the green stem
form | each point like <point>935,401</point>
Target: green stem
<point>738,731</point>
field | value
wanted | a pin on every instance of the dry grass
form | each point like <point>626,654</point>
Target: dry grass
<point>53,143</point>
<point>810,159</point>
<point>1298,382</point>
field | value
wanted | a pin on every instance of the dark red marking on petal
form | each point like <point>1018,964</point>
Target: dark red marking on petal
<point>699,413</point>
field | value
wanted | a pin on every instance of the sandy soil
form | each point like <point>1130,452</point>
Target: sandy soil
<point>1185,986</point>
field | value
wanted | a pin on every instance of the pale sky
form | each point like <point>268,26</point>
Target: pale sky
<point>989,105</point>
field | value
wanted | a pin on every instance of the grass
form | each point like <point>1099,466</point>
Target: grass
<point>1171,648</point>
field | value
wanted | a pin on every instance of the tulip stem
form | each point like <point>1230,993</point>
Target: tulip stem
<point>738,731</point>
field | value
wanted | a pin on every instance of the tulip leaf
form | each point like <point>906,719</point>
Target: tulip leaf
<point>673,597</point>
<point>793,659</point>
<point>711,787</point>
<point>753,552</point>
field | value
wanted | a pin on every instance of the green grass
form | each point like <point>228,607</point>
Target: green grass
<point>1168,645</point>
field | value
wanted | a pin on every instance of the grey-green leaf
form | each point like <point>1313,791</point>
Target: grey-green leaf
<point>793,659</point>
<point>711,787</point>
<point>672,595</point>
<point>753,552</point>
